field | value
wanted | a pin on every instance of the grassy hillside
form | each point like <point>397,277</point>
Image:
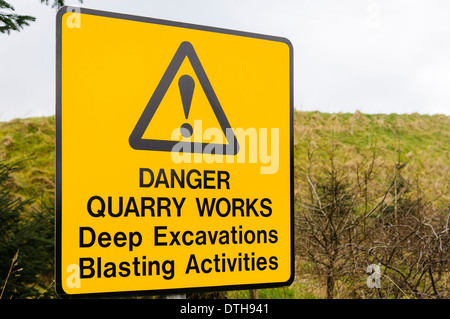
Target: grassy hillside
<point>421,140</point>
<point>32,141</point>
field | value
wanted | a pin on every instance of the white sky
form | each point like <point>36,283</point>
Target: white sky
<point>377,56</point>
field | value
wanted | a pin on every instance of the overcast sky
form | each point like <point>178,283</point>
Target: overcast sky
<point>376,56</point>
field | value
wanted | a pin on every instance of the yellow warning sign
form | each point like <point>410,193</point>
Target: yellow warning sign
<point>174,156</point>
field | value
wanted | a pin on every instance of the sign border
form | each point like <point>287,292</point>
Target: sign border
<point>58,144</point>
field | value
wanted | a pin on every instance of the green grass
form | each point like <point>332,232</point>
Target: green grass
<point>32,141</point>
<point>295,291</point>
<point>421,140</point>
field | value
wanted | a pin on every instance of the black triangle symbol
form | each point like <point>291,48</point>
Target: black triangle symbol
<point>137,142</point>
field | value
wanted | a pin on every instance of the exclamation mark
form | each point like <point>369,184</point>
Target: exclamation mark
<point>186,85</point>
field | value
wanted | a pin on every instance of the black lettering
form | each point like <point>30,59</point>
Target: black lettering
<point>247,240</point>
<point>144,206</point>
<point>246,259</point>
<point>129,209</point>
<point>161,179</point>
<point>174,238</point>
<point>192,265</point>
<point>162,206</point>
<point>136,264</point>
<point>209,208</point>
<point>150,270</point>
<point>104,239</point>
<point>261,233</point>
<point>110,207</point>
<point>232,263</point>
<point>101,211</point>
<point>216,263</point>
<point>168,272</point>
<point>185,241</point>
<point>261,263</point>
<point>234,232</point>
<point>273,236</point>
<point>228,207</point>
<point>99,267</point>
<point>132,242</point>
<point>158,235</point>
<point>206,179</point>
<point>120,239</point>
<point>273,263</point>
<point>110,271</point>
<point>204,269</point>
<point>198,181</point>
<point>125,269</point>
<point>201,238</point>
<point>141,177</point>
<point>250,207</point>
<point>238,207</point>
<point>225,237</point>
<point>212,237</point>
<point>221,180</point>
<point>89,267</point>
<point>82,243</point>
<point>268,208</point>
<point>178,206</point>
<point>174,176</point>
